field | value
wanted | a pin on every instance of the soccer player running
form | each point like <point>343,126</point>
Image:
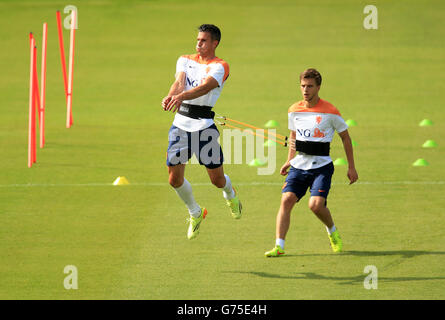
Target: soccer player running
<point>199,80</point>
<point>312,122</point>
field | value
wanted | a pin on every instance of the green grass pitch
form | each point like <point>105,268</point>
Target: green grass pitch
<point>130,242</point>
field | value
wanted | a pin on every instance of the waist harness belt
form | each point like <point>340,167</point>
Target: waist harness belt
<point>313,148</point>
<point>196,112</point>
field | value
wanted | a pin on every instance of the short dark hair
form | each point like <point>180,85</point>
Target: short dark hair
<point>214,31</point>
<point>311,74</point>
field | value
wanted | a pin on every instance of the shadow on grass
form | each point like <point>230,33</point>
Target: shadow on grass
<point>348,280</point>
<point>401,253</point>
<point>342,280</point>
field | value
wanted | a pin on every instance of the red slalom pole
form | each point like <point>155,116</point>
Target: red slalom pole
<point>31,102</point>
<point>36,83</point>
<point>36,105</point>
<point>43,87</point>
<point>69,114</point>
<point>62,52</point>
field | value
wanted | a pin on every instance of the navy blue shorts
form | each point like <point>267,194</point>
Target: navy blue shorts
<point>203,143</point>
<point>318,180</point>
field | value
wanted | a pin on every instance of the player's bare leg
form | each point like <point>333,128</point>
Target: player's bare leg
<point>176,175</point>
<point>318,206</point>
<point>288,200</point>
<point>217,176</point>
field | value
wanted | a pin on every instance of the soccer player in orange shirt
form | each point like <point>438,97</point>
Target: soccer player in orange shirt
<point>313,122</point>
<point>199,81</point>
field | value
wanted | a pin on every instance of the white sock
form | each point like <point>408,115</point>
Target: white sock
<point>331,230</point>
<point>280,242</point>
<point>186,194</point>
<point>228,192</point>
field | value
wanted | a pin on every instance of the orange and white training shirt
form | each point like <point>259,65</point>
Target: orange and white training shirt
<point>317,124</point>
<point>196,72</point>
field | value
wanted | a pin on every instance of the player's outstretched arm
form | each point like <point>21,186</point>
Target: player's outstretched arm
<point>347,144</point>
<point>176,88</point>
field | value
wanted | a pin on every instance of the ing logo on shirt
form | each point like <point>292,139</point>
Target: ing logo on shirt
<point>317,132</point>
<point>307,133</point>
